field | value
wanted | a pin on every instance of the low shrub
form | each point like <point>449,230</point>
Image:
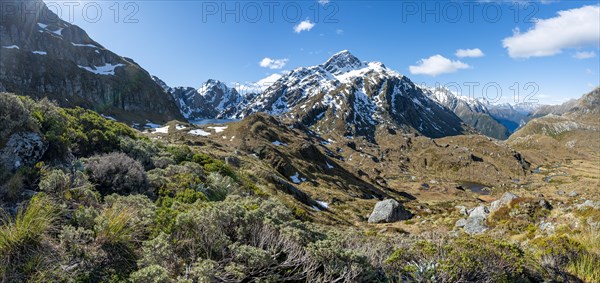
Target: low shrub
<point>117,173</point>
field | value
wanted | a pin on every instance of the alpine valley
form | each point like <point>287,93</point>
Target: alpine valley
<point>346,171</point>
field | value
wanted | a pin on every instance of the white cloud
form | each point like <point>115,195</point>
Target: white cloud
<point>274,64</point>
<point>476,52</point>
<point>436,65</point>
<point>323,2</point>
<point>584,55</point>
<point>570,29</point>
<point>339,31</point>
<point>306,25</point>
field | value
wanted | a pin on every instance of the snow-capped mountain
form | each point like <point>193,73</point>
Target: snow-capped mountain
<point>354,97</point>
<point>472,111</point>
<point>212,100</point>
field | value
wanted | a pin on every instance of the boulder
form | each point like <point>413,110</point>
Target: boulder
<point>389,211</point>
<point>22,149</point>
<point>573,194</point>
<point>545,204</point>
<point>232,161</point>
<point>480,211</point>
<point>461,223</point>
<point>475,225</point>
<point>463,210</point>
<point>504,200</point>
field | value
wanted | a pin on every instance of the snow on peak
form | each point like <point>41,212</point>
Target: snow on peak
<point>212,85</point>
<point>342,62</point>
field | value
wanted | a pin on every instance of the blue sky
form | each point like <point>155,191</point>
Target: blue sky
<point>187,42</point>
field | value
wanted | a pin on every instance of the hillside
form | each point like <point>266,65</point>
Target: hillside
<point>43,56</point>
<point>275,201</point>
<point>577,129</point>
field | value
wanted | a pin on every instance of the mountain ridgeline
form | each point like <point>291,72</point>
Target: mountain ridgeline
<point>343,94</point>
<point>44,56</point>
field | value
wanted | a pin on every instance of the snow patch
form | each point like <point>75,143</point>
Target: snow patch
<point>108,69</point>
<point>108,117</point>
<point>218,129</point>
<point>163,130</point>
<point>40,52</point>
<point>199,132</point>
<point>323,204</point>
<point>84,45</point>
<point>278,143</point>
<point>296,178</point>
<point>329,166</point>
<point>11,47</point>
<point>180,127</point>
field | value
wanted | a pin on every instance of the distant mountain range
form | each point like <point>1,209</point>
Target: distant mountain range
<point>354,97</point>
<point>343,94</point>
<point>43,56</point>
<point>55,59</point>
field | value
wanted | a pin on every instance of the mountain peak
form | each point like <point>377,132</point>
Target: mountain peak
<point>342,62</point>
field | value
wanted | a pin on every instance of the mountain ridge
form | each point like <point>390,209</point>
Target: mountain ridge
<point>44,56</point>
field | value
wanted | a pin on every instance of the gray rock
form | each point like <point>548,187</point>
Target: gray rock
<point>480,211</point>
<point>573,194</point>
<point>589,203</point>
<point>232,161</point>
<point>547,227</point>
<point>461,223</point>
<point>545,204</point>
<point>22,149</point>
<point>560,193</point>
<point>475,225</point>
<point>463,210</point>
<point>389,211</point>
<point>504,200</point>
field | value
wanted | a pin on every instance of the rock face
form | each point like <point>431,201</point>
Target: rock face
<point>44,56</point>
<point>22,149</point>
<point>389,211</point>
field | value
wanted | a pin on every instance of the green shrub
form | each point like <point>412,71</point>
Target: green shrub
<point>151,274</point>
<point>117,173</point>
<point>464,259</point>
<point>14,116</point>
<point>159,251</point>
<point>180,153</point>
<point>141,150</point>
<point>55,182</point>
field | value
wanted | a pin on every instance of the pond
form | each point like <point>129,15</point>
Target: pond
<point>475,188</point>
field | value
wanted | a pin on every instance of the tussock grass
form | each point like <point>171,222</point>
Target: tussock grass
<point>116,226</point>
<point>586,267</point>
<point>28,226</point>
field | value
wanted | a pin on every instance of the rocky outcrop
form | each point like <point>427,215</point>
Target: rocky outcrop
<point>504,200</point>
<point>477,217</point>
<point>389,211</point>
<point>22,149</point>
